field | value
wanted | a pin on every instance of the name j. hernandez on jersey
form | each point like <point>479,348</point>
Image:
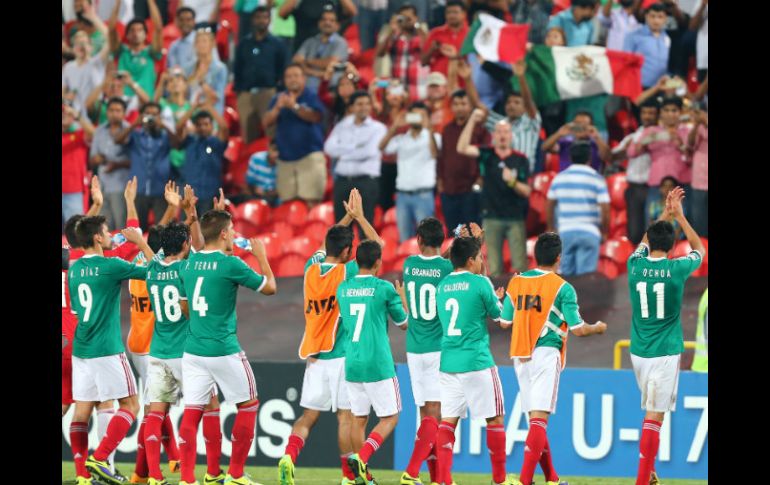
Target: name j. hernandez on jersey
<point>360,292</point>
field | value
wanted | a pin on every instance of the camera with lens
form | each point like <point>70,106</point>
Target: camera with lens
<point>149,119</point>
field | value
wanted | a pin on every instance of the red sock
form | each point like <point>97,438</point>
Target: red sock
<point>168,440</point>
<point>496,446</point>
<point>371,445</point>
<point>534,445</point>
<point>152,431</point>
<point>445,443</point>
<point>426,438</point>
<point>79,443</point>
<point>345,468</point>
<point>116,431</point>
<point>294,447</point>
<point>547,465</point>
<point>188,437</point>
<point>141,453</point>
<point>648,449</point>
<point>243,436</point>
<point>212,435</point>
<point>431,460</point>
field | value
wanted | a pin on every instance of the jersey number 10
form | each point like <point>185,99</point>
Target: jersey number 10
<point>427,301</point>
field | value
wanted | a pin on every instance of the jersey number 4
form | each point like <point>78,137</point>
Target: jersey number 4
<point>199,303</point>
<point>658,289</point>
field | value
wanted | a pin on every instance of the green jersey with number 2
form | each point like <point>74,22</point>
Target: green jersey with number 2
<point>422,275</point>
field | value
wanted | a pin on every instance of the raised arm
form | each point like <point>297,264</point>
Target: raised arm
<point>188,206</point>
<point>551,141</point>
<point>96,197</point>
<point>465,72</point>
<point>258,250</point>
<point>224,131</point>
<point>354,206</point>
<point>133,235</point>
<point>604,149</point>
<point>112,40</point>
<point>287,8</point>
<point>122,137</point>
<point>464,146</point>
<point>387,36</point>
<point>399,123</point>
<point>174,200</point>
<point>519,69</point>
<point>129,194</point>
<point>157,27</point>
<point>674,206</point>
<point>89,12</point>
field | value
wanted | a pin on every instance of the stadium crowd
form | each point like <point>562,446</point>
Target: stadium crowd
<point>289,104</point>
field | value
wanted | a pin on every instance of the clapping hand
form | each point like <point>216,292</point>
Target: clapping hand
<point>221,203</point>
<point>354,205</point>
<point>96,191</point>
<point>171,195</point>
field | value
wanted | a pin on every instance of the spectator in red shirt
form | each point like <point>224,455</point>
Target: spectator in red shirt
<point>404,45</point>
<point>444,42</point>
<point>74,153</point>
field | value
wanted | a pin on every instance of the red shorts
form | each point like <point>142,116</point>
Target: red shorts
<point>66,381</point>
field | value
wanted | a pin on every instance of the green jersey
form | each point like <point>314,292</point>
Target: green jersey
<point>211,280</point>
<point>422,275</point>
<point>656,286</point>
<point>365,303</point>
<point>94,284</point>
<point>141,66</point>
<point>166,292</point>
<point>565,309</point>
<point>464,301</point>
<point>341,339</point>
<point>171,114</point>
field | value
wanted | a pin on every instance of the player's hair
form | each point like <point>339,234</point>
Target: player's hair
<point>463,248</point>
<point>547,249</point>
<point>338,237</point>
<point>431,232</point>
<point>213,223</point>
<point>675,100</point>
<point>173,236</point>
<point>368,253</point>
<point>201,115</point>
<point>65,258</point>
<point>660,235</point>
<point>70,230</point>
<point>153,237</point>
<point>87,228</point>
<point>456,3</point>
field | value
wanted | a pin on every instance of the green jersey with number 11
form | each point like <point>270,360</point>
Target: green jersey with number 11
<point>422,275</point>
<point>464,301</point>
<point>211,280</point>
<point>365,303</point>
<point>656,286</point>
<point>166,292</point>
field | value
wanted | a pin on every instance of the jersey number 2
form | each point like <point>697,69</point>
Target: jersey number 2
<point>658,289</point>
<point>453,306</point>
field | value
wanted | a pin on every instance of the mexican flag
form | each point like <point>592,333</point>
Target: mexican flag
<point>495,40</point>
<point>557,73</point>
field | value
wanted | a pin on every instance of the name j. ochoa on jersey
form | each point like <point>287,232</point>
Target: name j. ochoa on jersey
<point>654,273</point>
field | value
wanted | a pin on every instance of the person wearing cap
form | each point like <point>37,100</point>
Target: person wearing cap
<point>326,47</point>
<point>583,214</point>
<point>438,101</point>
<point>444,42</point>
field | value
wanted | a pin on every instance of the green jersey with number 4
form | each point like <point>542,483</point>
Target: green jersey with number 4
<point>422,275</point>
<point>464,302</point>
<point>211,280</point>
<point>94,284</point>
<point>365,303</point>
<point>656,286</point>
<point>166,292</point>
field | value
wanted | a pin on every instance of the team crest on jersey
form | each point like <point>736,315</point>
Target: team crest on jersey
<point>582,68</point>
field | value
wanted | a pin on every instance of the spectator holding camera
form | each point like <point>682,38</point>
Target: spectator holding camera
<point>580,128</point>
<point>207,75</point>
<point>337,98</point>
<point>444,42</point>
<point>149,142</point>
<point>115,85</point>
<point>416,152</point>
<point>87,21</point>
<point>698,142</point>
<point>404,45</point>
<point>504,194</point>
<point>323,49</point>
<point>652,42</point>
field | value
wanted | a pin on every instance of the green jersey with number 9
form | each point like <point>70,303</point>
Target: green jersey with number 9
<point>365,302</point>
<point>656,286</point>
<point>94,284</point>
<point>464,302</point>
<point>211,280</point>
<point>166,293</point>
<point>422,275</point>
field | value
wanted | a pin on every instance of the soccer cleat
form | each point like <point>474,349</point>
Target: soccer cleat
<point>86,481</point>
<point>102,470</point>
<point>408,480</point>
<point>286,471</point>
<point>244,480</point>
<point>654,480</point>
<point>213,480</point>
<point>358,467</point>
<point>119,475</point>
<point>191,483</point>
<point>556,483</point>
<point>152,481</point>
<point>509,480</point>
<point>346,481</point>
<point>173,466</point>
<point>137,479</point>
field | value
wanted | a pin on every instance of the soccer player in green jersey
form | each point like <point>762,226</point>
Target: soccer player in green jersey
<point>469,377</point>
<point>100,370</point>
<point>212,354</point>
<point>656,285</point>
<point>422,274</point>
<point>365,303</point>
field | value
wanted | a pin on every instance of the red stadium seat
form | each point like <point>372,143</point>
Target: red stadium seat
<point>397,265</point>
<point>251,260</point>
<point>408,247</point>
<point>438,211</point>
<point>234,147</point>
<point>353,40</point>
<point>245,228</point>
<point>233,121</point>
<point>294,212</point>
<point>316,230</point>
<point>390,216</point>
<point>618,218</point>
<point>224,31</point>
<point>552,162</point>
<point>541,182</point>
<point>283,229</point>
<point>617,250</point>
<point>273,245</point>
<point>377,222</point>
<point>608,268</point>
<point>291,265</point>
<point>231,98</point>
<point>170,34</point>
<point>389,251</point>
<point>616,184</point>
<point>302,245</point>
<point>255,212</point>
<point>389,234</point>
<point>323,212</point>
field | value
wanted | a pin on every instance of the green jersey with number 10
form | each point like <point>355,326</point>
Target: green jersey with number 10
<point>211,280</point>
<point>422,275</point>
<point>166,292</point>
<point>464,301</point>
<point>656,286</point>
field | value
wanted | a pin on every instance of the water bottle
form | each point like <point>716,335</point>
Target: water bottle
<point>118,239</point>
<point>242,243</point>
<point>458,229</point>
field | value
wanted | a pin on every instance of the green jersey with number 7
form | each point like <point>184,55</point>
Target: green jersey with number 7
<point>656,286</point>
<point>211,280</point>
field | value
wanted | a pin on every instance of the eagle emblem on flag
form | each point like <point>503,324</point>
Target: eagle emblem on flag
<point>486,36</point>
<point>582,68</point>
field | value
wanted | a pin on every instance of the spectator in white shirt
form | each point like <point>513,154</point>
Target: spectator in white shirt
<point>619,21</point>
<point>84,73</point>
<point>416,152</point>
<point>354,143</point>
<point>700,23</point>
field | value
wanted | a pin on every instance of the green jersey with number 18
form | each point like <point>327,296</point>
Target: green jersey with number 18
<point>94,284</point>
<point>211,280</point>
<point>422,275</point>
<point>166,292</point>
<point>464,302</point>
<point>656,286</point>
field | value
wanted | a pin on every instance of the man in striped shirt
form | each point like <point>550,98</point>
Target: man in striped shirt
<point>583,214</point>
